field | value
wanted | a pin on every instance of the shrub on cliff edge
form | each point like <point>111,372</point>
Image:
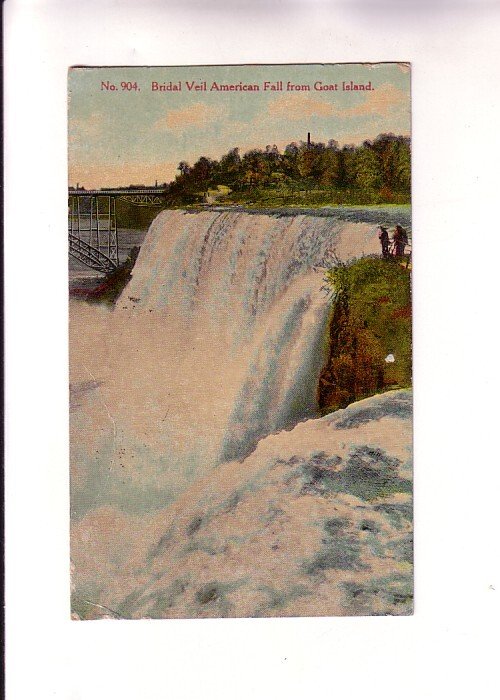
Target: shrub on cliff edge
<point>370,325</point>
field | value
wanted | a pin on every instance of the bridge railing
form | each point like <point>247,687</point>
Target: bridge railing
<point>92,221</point>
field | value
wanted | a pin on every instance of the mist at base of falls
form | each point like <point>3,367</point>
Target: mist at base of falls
<point>217,341</point>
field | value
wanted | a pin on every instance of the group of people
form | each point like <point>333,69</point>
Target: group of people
<point>399,241</point>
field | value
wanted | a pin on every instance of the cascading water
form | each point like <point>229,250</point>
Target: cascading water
<point>216,342</point>
<point>255,281</point>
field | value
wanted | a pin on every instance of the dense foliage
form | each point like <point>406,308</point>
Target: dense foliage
<point>375,171</point>
<point>131,216</point>
<point>371,320</point>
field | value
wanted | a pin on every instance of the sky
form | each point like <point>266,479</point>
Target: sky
<point>138,136</point>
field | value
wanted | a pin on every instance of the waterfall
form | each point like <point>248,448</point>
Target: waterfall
<point>250,287</point>
<point>203,482</point>
<point>217,341</point>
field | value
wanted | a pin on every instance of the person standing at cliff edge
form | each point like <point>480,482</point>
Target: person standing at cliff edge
<point>400,239</point>
<point>383,237</point>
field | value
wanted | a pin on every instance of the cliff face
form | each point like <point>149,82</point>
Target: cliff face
<point>369,333</point>
<point>316,521</point>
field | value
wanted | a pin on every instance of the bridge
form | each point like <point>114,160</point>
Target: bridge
<point>92,229</point>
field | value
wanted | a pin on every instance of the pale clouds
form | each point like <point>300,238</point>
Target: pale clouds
<point>84,129</point>
<point>296,107</point>
<point>380,102</point>
<point>193,115</point>
<point>381,109</point>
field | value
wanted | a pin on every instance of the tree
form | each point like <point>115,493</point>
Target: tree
<point>348,166</point>
<point>254,168</point>
<point>230,167</point>
<point>367,169</point>
<point>383,165</point>
<point>309,162</point>
<point>331,166</point>
<point>184,168</point>
<point>402,166</point>
<point>202,171</point>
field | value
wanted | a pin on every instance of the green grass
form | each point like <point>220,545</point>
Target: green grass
<point>314,197</point>
<point>257,197</point>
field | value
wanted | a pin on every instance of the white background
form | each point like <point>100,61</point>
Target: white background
<point>447,649</point>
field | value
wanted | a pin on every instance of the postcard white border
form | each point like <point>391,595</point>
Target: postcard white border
<point>446,649</point>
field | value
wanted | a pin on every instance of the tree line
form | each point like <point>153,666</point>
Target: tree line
<point>382,166</point>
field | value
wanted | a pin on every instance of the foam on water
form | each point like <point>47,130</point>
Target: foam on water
<point>217,341</point>
<point>254,281</point>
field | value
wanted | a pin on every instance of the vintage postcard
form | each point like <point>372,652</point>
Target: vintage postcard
<point>240,341</point>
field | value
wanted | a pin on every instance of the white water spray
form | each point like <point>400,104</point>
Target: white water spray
<point>216,342</point>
